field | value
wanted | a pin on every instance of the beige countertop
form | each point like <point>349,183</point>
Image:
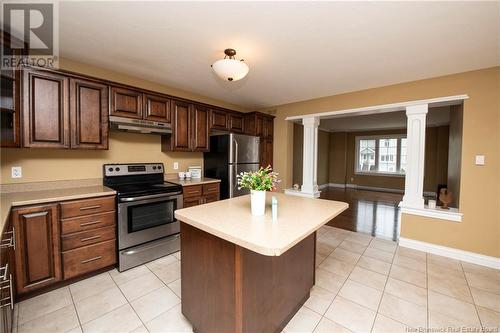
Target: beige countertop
<point>232,220</point>
<point>193,181</point>
<point>22,198</point>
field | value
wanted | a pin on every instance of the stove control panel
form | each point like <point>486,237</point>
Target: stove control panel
<point>111,170</point>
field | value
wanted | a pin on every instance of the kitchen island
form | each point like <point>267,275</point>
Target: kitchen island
<point>244,273</point>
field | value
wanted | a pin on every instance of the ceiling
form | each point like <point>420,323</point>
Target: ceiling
<point>438,116</point>
<point>295,50</point>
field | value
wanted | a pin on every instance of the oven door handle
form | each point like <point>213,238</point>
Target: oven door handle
<point>146,197</point>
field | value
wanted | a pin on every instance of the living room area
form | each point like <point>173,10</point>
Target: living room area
<point>362,159</point>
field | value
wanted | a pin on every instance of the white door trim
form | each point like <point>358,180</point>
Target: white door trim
<point>401,106</point>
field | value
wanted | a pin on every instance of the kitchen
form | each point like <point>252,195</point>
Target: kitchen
<point>125,185</point>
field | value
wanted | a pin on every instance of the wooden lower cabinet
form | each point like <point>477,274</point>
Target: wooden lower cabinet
<point>195,195</point>
<point>38,259</point>
<point>60,241</point>
<point>7,283</point>
<point>89,258</point>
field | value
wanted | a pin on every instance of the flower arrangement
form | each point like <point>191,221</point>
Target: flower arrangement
<point>265,179</point>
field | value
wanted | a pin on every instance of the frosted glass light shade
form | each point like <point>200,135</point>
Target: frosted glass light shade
<point>230,69</point>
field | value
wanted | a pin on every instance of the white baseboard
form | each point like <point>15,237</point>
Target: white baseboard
<point>471,257</point>
<point>336,185</point>
<point>373,188</point>
<point>323,186</point>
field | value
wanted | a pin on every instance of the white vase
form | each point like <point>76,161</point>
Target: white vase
<point>258,202</point>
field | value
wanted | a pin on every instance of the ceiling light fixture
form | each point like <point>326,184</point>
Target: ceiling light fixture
<point>230,69</point>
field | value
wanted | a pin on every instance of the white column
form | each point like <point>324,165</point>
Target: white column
<point>310,158</point>
<point>415,156</point>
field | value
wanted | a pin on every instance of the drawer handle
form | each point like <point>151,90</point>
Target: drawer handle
<point>90,207</point>
<point>91,259</point>
<point>89,238</point>
<point>89,223</point>
<point>193,192</point>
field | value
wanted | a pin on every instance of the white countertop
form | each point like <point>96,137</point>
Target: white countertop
<point>13,199</point>
<point>193,181</point>
<point>232,220</point>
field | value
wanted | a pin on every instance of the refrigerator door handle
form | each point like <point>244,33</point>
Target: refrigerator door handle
<point>235,151</point>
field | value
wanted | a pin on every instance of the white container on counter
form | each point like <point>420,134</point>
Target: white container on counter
<point>195,172</point>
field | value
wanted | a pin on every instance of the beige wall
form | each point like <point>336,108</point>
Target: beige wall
<point>298,153</point>
<point>338,158</point>
<point>61,164</point>
<point>323,157</point>
<point>480,185</point>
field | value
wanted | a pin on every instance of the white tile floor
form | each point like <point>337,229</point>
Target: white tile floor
<point>363,284</point>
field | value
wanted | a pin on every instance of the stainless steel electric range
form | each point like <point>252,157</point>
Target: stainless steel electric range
<point>147,228</point>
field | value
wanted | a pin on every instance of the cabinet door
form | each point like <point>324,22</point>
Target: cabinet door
<point>236,122</point>
<point>181,129</point>
<point>200,141</point>
<point>156,108</point>
<point>259,125</point>
<point>126,103</point>
<point>218,120</point>
<point>38,257</point>
<point>268,127</point>
<point>89,114</point>
<point>45,109</point>
<point>266,152</point>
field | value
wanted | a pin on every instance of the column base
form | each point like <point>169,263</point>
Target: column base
<point>313,195</point>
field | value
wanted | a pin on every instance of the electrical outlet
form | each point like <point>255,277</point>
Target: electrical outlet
<point>176,165</point>
<point>17,172</point>
<point>479,159</point>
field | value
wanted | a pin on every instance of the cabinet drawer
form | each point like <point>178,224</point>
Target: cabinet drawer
<point>87,206</point>
<point>212,198</point>
<point>192,191</point>
<point>212,188</point>
<point>191,202</point>
<point>88,222</point>
<point>85,238</point>
<point>89,258</point>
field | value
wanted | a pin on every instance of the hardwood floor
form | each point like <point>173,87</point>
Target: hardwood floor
<point>376,213</point>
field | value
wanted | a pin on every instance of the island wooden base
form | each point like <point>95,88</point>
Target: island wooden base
<point>227,288</point>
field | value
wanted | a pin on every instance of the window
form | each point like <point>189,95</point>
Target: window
<point>385,154</point>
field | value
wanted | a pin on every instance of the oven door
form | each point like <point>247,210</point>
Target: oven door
<point>146,218</point>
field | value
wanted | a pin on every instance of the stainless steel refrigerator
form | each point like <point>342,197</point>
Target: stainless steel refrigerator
<point>229,155</point>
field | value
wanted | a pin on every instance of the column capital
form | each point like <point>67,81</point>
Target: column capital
<point>417,109</point>
<point>310,121</point>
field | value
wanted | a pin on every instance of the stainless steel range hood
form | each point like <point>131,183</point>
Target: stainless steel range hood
<point>139,125</point>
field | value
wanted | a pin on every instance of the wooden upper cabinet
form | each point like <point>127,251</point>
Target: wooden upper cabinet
<point>218,119</point>
<point>126,103</point>
<point>38,257</point>
<point>200,136</point>
<point>89,114</point>
<point>156,108</point>
<point>181,128</point>
<point>236,122</point>
<point>268,127</point>
<point>259,125</point>
<point>45,109</point>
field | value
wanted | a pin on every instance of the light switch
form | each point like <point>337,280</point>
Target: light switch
<point>176,165</point>
<point>479,159</point>
<point>16,172</point>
